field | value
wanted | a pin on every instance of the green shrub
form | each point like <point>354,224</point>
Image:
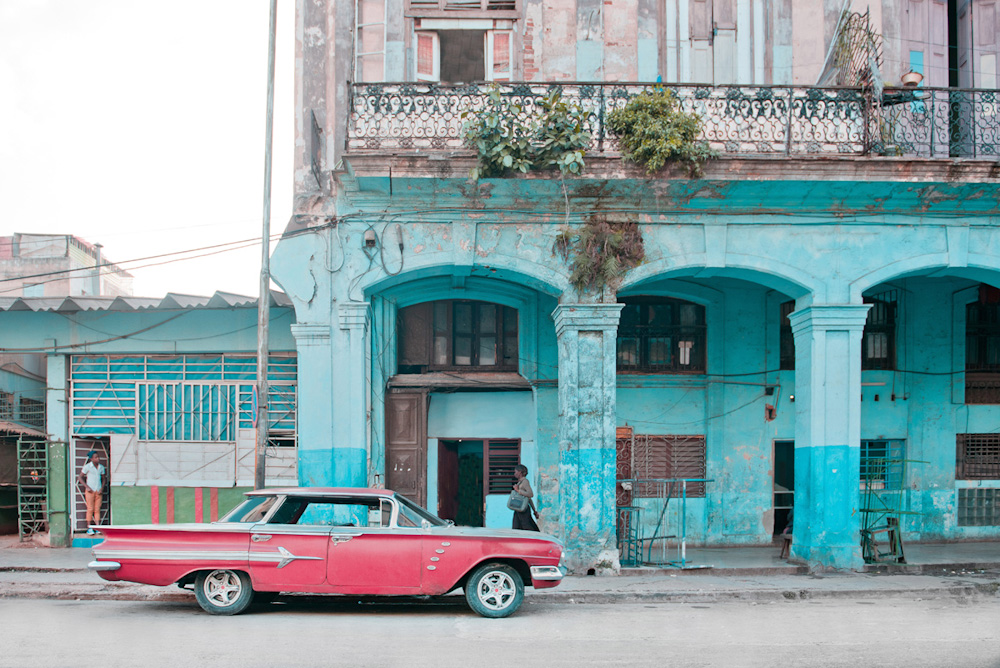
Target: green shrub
<point>505,143</point>
<point>601,253</point>
<point>653,130</point>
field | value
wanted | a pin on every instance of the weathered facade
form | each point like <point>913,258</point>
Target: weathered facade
<point>819,297</point>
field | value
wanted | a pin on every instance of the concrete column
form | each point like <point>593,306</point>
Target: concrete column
<point>351,391</point>
<point>60,476</point>
<point>315,388</point>
<point>586,336</point>
<point>827,435</point>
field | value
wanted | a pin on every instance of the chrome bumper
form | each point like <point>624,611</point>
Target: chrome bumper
<point>547,572</point>
<point>104,565</point>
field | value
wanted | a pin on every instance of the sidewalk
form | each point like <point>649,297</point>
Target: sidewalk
<point>969,571</point>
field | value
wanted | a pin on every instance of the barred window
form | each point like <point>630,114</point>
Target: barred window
<point>878,343</point>
<point>787,339</point>
<point>977,456</point>
<point>186,412</point>
<point>882,464</point>
<point>660,335</point>
<point>982,348</point>
<point>665,458</point>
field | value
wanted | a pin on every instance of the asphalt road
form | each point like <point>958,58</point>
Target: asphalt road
<point>324,632</point>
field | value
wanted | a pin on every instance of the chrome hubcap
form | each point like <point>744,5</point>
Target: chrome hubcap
<point>222,588</point>
<point>496,590</point>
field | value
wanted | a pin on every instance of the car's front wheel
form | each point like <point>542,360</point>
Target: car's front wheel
<point>494,590</point>
<point>223,592</point>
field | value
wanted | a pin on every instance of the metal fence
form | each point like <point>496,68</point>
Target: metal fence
<point>737,120</point>
<point>26,408</point>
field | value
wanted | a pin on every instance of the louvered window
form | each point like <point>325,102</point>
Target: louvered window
<point>977,456</point>
<point>460,6</point>
<point>501,458</point>
<point>668,458</point>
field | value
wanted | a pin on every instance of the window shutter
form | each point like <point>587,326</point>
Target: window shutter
<point>498,55</point>
<point>428,57</point>
<point>414,328</point>
<point>501,458</point>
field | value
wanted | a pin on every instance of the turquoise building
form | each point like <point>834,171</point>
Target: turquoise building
<point>813,323</point>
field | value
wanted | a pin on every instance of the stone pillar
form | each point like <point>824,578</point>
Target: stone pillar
<point>586,335</point>
<point>350,395</point>
<point>827,435</point>
<point>315,389</point>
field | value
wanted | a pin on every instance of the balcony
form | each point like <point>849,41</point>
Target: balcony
<point>738,121</point>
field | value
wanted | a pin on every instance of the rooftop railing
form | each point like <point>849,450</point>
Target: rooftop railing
<point>737,120</point>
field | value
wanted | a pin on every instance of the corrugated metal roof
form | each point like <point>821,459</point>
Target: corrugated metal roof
<point>9,427</point>
<point>170,302</point>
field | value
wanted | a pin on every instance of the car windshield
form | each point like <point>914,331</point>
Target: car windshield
<point>412,515</point>
<point>252,509</point>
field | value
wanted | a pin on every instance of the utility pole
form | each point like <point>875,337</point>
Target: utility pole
<point>264,301</point>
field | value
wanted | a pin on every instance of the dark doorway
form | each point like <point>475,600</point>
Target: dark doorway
<point>460,482</point>
<point>784,483</point>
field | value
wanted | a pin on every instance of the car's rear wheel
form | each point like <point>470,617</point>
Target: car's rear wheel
<point>494,590</point>
<point>223,592</point>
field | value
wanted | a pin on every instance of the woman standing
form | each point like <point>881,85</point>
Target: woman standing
<point>522,518</point>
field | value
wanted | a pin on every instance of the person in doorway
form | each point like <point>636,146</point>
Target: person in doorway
<point>92,477</point>
<point>522,519</point>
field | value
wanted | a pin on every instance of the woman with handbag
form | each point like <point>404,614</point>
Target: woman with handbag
<point>520,501</point>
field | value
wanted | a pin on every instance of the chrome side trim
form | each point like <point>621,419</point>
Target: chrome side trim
<point>282,556</point>
<point>104,565</point>
<point>171,555</point>
<point>547,572</point>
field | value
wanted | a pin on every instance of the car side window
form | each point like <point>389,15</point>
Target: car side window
<point>328,512</point>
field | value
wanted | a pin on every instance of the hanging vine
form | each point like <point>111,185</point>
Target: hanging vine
<point>601,253</point>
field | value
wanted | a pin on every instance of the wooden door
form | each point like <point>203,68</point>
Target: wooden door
<point>406,445</point>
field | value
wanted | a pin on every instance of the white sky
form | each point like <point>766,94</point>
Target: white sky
<point>140,126</point>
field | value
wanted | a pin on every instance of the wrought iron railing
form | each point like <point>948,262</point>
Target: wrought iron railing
<point>737,120</point>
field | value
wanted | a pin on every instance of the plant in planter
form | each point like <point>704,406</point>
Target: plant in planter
<point>561,137</point>
<point>653,130</point>
<point>501,140</point>
<point>505,142</point>
<point>601,253</point>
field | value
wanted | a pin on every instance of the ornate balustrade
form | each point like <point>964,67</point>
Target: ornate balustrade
<point>737,120</point>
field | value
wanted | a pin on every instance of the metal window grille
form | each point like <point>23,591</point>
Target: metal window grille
<point>661,335</point>
<point>6,406</point>
<point>977,456</point>
<point>186,412</point>
<point>883,464</point>
<point>667,457</point>
<point>501,458</point>
<point>878,343</point>
<point>104,388</point>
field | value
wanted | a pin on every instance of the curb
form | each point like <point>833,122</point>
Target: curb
<point>966,592</point>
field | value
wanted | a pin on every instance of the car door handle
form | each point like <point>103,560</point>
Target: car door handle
<point>341,537</point>
<point>260,537</point>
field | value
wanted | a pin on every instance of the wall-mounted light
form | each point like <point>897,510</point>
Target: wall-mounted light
<point>791,397</point>
<point>370,239</point>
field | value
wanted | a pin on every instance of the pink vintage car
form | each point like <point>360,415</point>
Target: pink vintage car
<point>331,541</point>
